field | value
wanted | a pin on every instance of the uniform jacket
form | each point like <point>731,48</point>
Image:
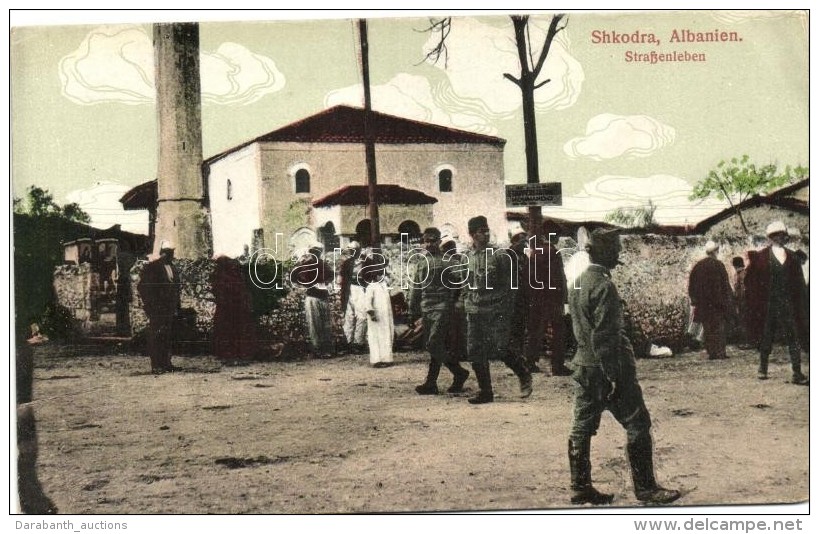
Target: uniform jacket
<point>433,285</point>
<point>489,280</point>
<point>597,319</point>
<point>757,287</point>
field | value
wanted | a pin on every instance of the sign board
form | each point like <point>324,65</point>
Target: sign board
<point>523,195</point>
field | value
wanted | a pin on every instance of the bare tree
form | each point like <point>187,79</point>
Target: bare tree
<point>532,57</point>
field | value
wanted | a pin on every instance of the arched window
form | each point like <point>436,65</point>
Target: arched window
<point>302,181</point>
<point>328,237</point>
<point>229,190</point>
<point>410,228</point>
<point>362,232</point>
<point>445,181</point>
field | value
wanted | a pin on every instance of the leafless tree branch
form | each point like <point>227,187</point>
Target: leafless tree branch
<point>554,28</point>
<point>511,78</point>
<point>441,27</point>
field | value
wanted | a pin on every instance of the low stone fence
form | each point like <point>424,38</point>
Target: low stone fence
<point>652,281</point>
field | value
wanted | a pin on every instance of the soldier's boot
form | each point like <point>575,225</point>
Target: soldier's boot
<point>521,370</point>
<point>646,489</point>
<point>762,372</point>
<point>459,376</point>
<point>430,385</point>
<point>580,468</point>
<point>798,377</point>
<point>796,366</point>
<point>485,394</point>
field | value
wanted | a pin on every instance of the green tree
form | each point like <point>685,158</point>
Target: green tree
<point>39,202</point>
<point>739,179</point>
<point>40,226</point>
<point>641,217</point>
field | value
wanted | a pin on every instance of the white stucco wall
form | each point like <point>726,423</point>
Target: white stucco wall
<point>477,186</point>
<point>233,220</point>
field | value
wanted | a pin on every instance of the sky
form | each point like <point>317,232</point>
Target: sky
<point>614,132</point>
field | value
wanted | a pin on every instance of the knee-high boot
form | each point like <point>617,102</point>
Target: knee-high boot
<point>641,458</point>
<point>521,370</point>
<point>459,376</point>
<point>762,372</point>
<point>796,366</point>
<point>485,393</point>
<point>580,468</point>
<point>430,385</point>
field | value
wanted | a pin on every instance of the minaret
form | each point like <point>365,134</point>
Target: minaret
<point>181,214</point>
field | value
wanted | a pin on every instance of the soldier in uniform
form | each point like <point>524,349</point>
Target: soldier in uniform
<point>487,301</point>
<point>606,377</point>
<point>432,297</point>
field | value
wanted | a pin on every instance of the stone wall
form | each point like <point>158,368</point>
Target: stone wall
<point>653,282</point>
<point>72,286</point>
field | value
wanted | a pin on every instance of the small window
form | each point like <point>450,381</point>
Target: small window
<point>229,190</point>
<point>445,181</point>
<point>302,181</point>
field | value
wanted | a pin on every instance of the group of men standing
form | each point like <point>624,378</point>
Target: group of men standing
<point>501,297</point>
<point>506,299</point>
<point>770,298</point>
<point>483,282</point>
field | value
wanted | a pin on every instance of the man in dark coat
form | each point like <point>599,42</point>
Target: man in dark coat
<point>774,294</point>
<point>546,298</point>
<point>159,290</point>
<point>605,372</point>
<point>711,296</point>
<point>234,329</point>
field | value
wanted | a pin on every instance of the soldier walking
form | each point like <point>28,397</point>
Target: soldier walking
<point>487,300</point>
<point>432,297</point>
<point>606,378</point>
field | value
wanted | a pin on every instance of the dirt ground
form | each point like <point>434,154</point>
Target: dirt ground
<point>337,436</point>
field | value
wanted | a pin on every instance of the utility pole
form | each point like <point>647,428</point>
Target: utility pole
<point>369,143</point>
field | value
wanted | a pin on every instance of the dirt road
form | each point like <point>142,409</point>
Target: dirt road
<point>328,436</point>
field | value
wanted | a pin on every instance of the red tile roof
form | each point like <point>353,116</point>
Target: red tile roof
<point>345,124</point>
<point>358,195</point>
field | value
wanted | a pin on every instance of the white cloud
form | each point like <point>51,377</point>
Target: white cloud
<point>116,64</point>
<point>413,97</point>
<point>610,136</point>
<point>607,193</point>
<point>101,202</point>
<point>478,56</point>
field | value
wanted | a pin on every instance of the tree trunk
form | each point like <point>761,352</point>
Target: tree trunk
<point>527,89</point>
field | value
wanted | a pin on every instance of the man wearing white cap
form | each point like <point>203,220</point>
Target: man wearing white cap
<point>774,293</point>
<point>711,297</point>
<point>159,290</point>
